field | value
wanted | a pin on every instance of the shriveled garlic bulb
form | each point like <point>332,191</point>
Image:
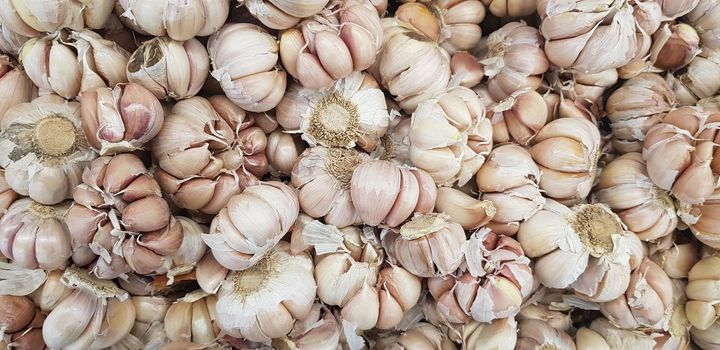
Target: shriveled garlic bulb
<point>511,8</point>
<point>88,62</point>
<point>344,37</point>
<point>383,192</point>
<point>509,180</point>
<point>35,235</point>
<point>43,150</point>
<point>120,222</point>
<point>702,294</point>
<point>7,195</point>
<point>251,223</point>
<point>15,86</point>
<point>635,107</point>
<point>351,113</point>
<point>101,314</point>
<point>587,36</point>
<point>698,80</point>
<point>192,319</point>
<point>586,248</point>
<point>412,243</point>
<point>518,117</point>
<point>492,284</point>
<point>704,17</point>
<point>264,301</point>
<point>178,20</point>
<point>420,336</point>
<point>674,46</point>
<point>514,59</point>
<point>169,68</point>
<point>282,14</point>
<point>567,150</point>
<point>10,42</point>
<point>30,18</point>
<point>319,330</point>
<point>500,334</point>
<point>679,153</point>
<point>208,151</point>
<point>467,68</point>
<point>537,334</point>
<point>121,119</point>
<point>450,136</point>
<point>256,87</point>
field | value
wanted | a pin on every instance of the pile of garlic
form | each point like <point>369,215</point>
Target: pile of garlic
<point>360,174</point>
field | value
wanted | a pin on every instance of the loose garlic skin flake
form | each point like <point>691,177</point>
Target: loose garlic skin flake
<point>180,20</point>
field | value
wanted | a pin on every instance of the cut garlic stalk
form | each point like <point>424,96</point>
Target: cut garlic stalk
<point>178,20</point>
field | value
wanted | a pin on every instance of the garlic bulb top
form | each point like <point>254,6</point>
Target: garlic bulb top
<point>30,18</point>
<point>282,14</point>
<point>179,21</point>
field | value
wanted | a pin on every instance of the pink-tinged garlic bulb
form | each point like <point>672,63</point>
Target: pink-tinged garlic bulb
<point>31,18</point>
<point>251,223</point>
<point>35,235</point>
<point>578,95</point>
<point>586,36</point>
<point>450,136</point>
<point>500,334</point>
<point>120,222</point>
<point>514,59</point>
<point>704,17</point>
<point>672,9</point>
<point>674,46</point>
<point>467,68</point>
<point>518,117</point>
<point>169,68</point>
<point>319,330</point>
<point>704,219</point>
<point>101,314</point>
<point>537,334</point>
<point>7,195</point>
<point>602,334</point>
<point>675,254</point>
<point>148,329</point>
<point>256,87</point>
<point>21,324</point>
<point>351,113</point>
<point>192,318</point>
<point>10,42</point>
<point>383,192</point>
<point>344,37</point>
<point>122,119</point>
<point>539,312</point>
<point>492,284</point>
<point>283,151</point>
<point>698,80</point>
<point>88,62</point>
<point>264,301</point>
<point>178,20</point>
<point>646,209</point>
<point>395,145</point>
<point>567,150</point>
<point>282,14</point>
<point>509,180</point>
<point>323,177</point>
<point>511,8</point>
<point>207,151</point>
<point>15,86</point>
<point>420,336</point>
<point>412,243</point>
<point>702,293</point>
<point>679,154</point>
<point>635,107</point>
<point>586,248</point>
<point>43,150</point>
<point>647,301</point>
<point>191,251</point>
<point>51,292</point>
<point>459,23</point>
<point>469,212</point>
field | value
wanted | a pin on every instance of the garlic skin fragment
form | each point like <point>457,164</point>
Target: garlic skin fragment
<point>511,8</point>
<point>207,151</point>
<point>586,248</point>
<point>251,224</point>
<point>122,119</point>
<point>420,336</point>
<point>7,195</point>
<point>178,20</point>
<point>256,87</point>
<point>352,112</point>
<point>704,17</point>
<point>282,14</point>
<point>264,301</point>
<point>15,86</point>
<point>30,18</point>
<point>43,150</point>
<point>319,330</point>
<point>536,334</point>
<point>170,69</point>
<point>343,38</point>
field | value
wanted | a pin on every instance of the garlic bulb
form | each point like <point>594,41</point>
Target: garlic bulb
<point>7,195</point>
<point>467,211</point>
<point>511,8</point>
<point>51,293</point>
<point>536,334</point>
<point>702,219</point>
<point>646,209</point>
<point>420,336</point>
<point>351,113</point>
<point>603,335</point>
<point>16,314</point>
<point>192,319</point>
<point>586,248</point>
<point>256,87</point>
<point>500,334</point>
<point>383,192</point>
<point>492,285</point>
<point>119,221</point>
<point>283,152</point>
<point>43,150</point>
<point>395,145</point>
<point>686,135</point>
<point>344,37</point>
<point>706,339</point>
<point>460,23</point>
<point>677,8</point>
<point>15,86</point>
<point>251,223</point>
<point>282,14</point>
<point>88,62</point>
<point>518,117</point>
<point>101,314</point>
<point>514,59</point>
<point>30,18</point>
<point>450,136</point>
<point>586,36</point>
<point>413,243</point>
<point>263,302</point>
<point>702,293</point>
<point>169,68</point>
<point>10,42</point>
<point>674,46</point>
<point>704,17</point>
<point>191,250</point>
<point>566,151</point>
<point>179,20</point>
<point>35,235</point>
<point>578,95</point>
<point>467,68</point>
<point>122,119</point>
<point>539,312</point>
<point>148,329</point>
<point>635,107</point>
<point>679,257</point>
<point>208,151</point>
<point>698,80</point>
<point>319,330</point>
<point>509,180</point>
